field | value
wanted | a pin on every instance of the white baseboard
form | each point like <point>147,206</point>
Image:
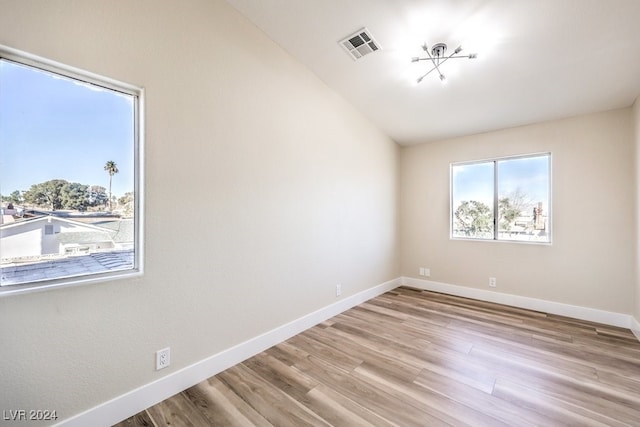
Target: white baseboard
<point>131,403</point>
<point>635,327</point>
<point>576,312</point>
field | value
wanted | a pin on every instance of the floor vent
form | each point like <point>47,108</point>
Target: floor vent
<point>359,44</point>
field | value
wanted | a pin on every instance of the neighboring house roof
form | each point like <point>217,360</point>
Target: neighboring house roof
<point>119,230</point>
<point>61,213</point>
<point>50,219</point>
<point>101,262</point>
<point>67,233</point>
<point>6,215</point>
<point>124,229</point>
<point>84,237</point>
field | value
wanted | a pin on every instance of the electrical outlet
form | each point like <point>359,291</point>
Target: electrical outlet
<point>427,272</point>
<point>492,282</point>
<point>163,358</point>
<point>421,272</point>
<point>339,289</point>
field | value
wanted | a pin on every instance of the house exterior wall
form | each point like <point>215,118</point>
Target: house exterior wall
<point>25,241</point>
<point>50,244</point>
<point>29,239</point>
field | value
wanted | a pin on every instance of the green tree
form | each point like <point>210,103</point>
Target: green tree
<point>98,196</point>
<point>515,204</point>
<point>474,219</point>
<point>15,198</point>
<point>46,194</point>
<point>74,195</point>
<point>507,213</point>
<point>111,169</point>
<point>127,204</point>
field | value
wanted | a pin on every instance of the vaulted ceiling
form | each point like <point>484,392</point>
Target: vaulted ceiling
<point>537,60</point>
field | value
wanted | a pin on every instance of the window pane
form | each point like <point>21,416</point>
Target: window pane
<point>523,198</point>
<point>472,200</point>
<point>68,177</point>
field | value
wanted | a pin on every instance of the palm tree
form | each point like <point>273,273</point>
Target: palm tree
<point>111,169</point>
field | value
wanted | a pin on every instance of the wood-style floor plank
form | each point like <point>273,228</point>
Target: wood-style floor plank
<point>178,410</point>
<point>221,406</point>
<point>139,420</point>
<point>416,358</point>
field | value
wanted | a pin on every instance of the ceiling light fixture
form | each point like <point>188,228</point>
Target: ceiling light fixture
<point>437,56</point>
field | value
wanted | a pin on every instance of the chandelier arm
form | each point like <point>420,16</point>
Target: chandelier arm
<point>416,59</point>
<point>435,66</point>
<point>454,56</point>
<point>438,58</point>
<point>449,57</point>
<point>425,74</point>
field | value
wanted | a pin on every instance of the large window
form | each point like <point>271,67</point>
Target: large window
<point>502,199</point>
<point>70,175</point>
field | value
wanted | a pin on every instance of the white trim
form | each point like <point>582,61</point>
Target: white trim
<point>635,327</point>
<point>68,71</point>
<point>545,306</point>
<point>128,404</point>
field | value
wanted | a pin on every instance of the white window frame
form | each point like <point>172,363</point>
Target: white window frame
<point>137,93</point>
<point>495,206</point>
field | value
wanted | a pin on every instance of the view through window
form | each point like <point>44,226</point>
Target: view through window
<point>502,199</point>
<point>69,175</point>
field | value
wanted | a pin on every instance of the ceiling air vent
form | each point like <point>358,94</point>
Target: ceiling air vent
<point>359,44</point>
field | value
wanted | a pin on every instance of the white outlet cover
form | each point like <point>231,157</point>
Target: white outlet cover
<point>163,358</point>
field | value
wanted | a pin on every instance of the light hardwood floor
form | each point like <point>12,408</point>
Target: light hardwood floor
<point>418,358</point>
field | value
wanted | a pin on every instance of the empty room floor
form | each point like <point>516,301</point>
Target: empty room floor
<point>418,358</point>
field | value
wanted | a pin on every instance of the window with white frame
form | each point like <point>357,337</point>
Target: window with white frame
<point>70,161</point>
<point>502,199</point>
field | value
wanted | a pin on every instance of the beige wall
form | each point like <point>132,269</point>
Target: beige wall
<point>591,260</point>
<point>264,189</point>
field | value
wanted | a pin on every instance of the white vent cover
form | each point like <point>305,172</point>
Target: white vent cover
<point>359,44</point>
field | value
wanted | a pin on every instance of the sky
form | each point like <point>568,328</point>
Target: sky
<point>474,181</point>
<point>53,127</point>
